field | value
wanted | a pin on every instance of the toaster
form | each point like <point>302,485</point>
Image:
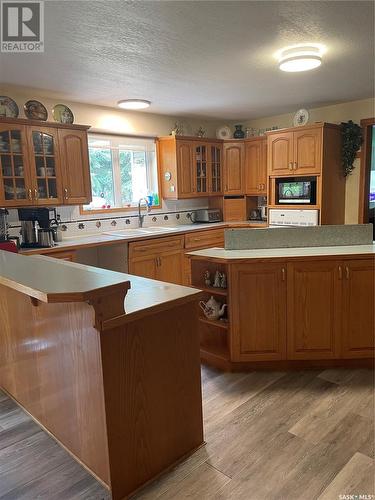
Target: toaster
<point>206,215</point>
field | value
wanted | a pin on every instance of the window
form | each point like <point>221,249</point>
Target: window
<point>123,170</point>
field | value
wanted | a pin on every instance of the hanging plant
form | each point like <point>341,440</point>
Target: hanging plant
<point>351,134</point>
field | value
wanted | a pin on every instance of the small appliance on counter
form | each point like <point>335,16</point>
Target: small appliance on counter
<point>36,227</point>
<point>206,215</point>
<point>259,214</point>
<point>9,243</point>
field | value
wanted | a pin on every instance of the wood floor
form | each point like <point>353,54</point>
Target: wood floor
<point>270,436</point>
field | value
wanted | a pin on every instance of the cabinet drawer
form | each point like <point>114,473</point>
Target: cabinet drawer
<point>205,239</point>
<point>155,246</point>
<point>63,255</point>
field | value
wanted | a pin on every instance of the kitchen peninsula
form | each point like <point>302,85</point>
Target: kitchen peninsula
<point>118,386</point>
<point>311,304</point>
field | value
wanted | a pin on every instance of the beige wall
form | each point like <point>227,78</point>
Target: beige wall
<point>110,119</point>
<point>354,110</point>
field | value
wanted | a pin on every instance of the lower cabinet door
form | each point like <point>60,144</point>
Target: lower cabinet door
<point>358,327</point>
<point>143,267</point>
<point>170,267</point>
<point>314,319</point>
<point>258,310</point>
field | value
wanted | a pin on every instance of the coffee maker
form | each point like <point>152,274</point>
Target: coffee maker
<point>10,243</point>
<point>36,231</point>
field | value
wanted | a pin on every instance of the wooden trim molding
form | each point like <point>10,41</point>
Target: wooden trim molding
<point>365,166</point>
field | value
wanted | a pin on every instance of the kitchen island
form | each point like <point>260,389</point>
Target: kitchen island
<point>289,307</point>
<point>107,363</point>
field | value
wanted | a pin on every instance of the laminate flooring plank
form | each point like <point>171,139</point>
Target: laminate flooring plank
<point>13,434</point>
<point>355,395</point>
<point>203,483</point>
<point>228,393</point>
<point>174,476</point>
<point>357,477</point>
<point>339,375</point>
<point>27,459</point>
<point>321,466</point>
<point>11,414</point>
<point>66,482</point>
<point>239,436</point>
<point>295,469</point>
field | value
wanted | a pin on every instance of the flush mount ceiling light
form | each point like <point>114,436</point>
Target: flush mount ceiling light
<point>300,57</point>
<point>133,104</point>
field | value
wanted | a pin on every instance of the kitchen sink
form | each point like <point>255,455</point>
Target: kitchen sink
<point>121,233</point>
<point>157,229</point>
<point>126,232</point>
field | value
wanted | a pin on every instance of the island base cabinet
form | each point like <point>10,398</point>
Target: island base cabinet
<point>258,308</point>
<point>358,302</point>
<point>314,293</point>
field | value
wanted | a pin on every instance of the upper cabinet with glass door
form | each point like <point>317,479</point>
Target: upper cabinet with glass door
<point>190,167</point>
<point>33,163</point>
<point>15,186</point>
<point>200,168</point>
<point>45,165</point>
<point>216,169</point>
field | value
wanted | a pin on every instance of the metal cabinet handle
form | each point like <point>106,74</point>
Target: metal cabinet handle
<point>36,195</point>
<point>290,165</point>
<point>30,195</point>
<point>340,273</point>
<point>347,272</point>
<point>283,274</point>
<point>66,197</point>
<point>295,165</point>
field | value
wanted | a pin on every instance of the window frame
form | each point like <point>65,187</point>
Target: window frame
<point>132,208</point>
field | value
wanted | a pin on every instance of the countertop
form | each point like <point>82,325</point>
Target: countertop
<point>221,253</point>
<point>135,234</point>
<point>54,280</point>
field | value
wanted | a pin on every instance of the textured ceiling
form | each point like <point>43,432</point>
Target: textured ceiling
<point>212,59</point>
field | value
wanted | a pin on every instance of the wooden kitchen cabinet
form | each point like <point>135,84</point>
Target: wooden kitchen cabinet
<point>158,258</point>
<point>76,169</point>
<point>190,168</point>
<point>358,299</point>
<point>15,174</point>
<point>256,167</point>
<point>314,294</point>
<point>307,152</point>
<point>234,178</point>
<point>300,311</point>
<point>258,312</point>
<point>297,151</point>
<point>43,163</point>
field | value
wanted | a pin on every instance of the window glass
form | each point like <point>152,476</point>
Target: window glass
<point>123,170</point>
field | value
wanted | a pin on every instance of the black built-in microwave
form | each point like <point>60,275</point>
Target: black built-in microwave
<point>295,191</point>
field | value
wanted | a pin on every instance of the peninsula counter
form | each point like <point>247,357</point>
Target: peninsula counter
<point>118,387</point>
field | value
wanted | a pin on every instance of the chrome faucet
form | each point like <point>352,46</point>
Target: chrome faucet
<point>141,217</point>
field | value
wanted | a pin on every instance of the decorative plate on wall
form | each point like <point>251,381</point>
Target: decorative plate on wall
<point>224,133</point>
<point>62,114</point>
<point>8,107</point>
<point>301,118</point>
<point>35,110</point>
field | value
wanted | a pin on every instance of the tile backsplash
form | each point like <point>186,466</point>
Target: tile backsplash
<point>172,213</point>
